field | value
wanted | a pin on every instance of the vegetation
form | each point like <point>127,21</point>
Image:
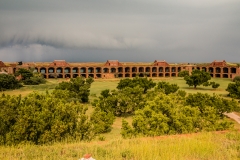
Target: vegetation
<point>8,82</point>
<point>79,88</point>
<point>42,118</point>
<point>35,80</point>
<point>174,114</point>
<point>170,112</point>
<point>30,78</point>
<point>144,83</point>
<point>120,102</point>
<point>221,146</point>
<point>24,73</point>
<point>234,89</point>
<point>197,78</point>
<point>237,78</point>
<point>213,84</point>
<point>166,87</point>
<point>183,73</point>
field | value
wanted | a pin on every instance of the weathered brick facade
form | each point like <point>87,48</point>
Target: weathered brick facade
<point>115,69</point>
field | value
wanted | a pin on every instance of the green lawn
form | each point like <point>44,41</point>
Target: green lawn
<point>100,84</point>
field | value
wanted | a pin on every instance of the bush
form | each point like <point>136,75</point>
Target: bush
<point>182,93</point>
<point>25,73</point>
<point>102,121</point>
<point>237,78</point>
<point>169,114</point>
<point>215,85</point>
<point>41,119</point>
<point>34,81</point>
<point>78,88</point>
<point>8,82</point>
<point>121,102</point>
<point>144,83</point>
<point>166,87</point>
<point>234,89</point>
<point>183,73</point>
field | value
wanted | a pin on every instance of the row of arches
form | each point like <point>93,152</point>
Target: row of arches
<point>130,69</point>
<point>107,70</point>
<point>103,76</point>
<point>217,69</point>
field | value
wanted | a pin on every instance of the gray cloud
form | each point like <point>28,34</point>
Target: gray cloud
<point>133,30</point>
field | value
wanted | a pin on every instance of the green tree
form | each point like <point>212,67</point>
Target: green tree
<point>25,73</point>
<point>79,88</point>
<point>221,105</point>
<point>144,83</point>
<point>236,78</point>
<point>102,121</point>
<point>183,73</point>
<point>197,78</point>
<point>8,82</point>
<point>213,84</point>
<point>120,102</point>
<point>174,114</point>
<point>234,89</point>
<point>166,87</point>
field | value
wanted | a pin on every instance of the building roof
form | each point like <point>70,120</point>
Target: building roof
<point>160,63</point>
<point>2,64</point>
<point>216,63</point>
<point>112,63</point>
<point>59,63</point>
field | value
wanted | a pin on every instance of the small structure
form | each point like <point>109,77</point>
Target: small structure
<point>59,63</point>
<point>216,63</point>
<point>112,63</point>
<point>160,63</point>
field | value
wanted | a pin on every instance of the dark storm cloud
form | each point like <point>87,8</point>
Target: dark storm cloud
<point>136,30</point>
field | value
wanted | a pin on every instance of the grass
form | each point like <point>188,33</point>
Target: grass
<point>26,89</point>
<point>188,147</point>
<point>101,84</point>
<point>221,146</point>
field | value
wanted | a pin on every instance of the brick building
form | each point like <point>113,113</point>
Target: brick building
<point>116,69</point>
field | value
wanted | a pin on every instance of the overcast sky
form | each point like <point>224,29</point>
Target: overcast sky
<point>127,30</point>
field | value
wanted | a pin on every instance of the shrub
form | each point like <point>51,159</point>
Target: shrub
<point>234,89</point>
<point>237,78</point>
<point>144,83</point>
<point>34,81</point>
<point>166,87</point>
<point>78,88</point>
<point>215,85</point>
<point>41,119</point>
<point>167,114</point>
<point>25,73</point>
<point>183,73</point>
<point>8,82</point>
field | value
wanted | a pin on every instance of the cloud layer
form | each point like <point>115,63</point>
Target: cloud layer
<point>137,30</point>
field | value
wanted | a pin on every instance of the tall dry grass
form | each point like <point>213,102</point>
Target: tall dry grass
<point>212,146</point>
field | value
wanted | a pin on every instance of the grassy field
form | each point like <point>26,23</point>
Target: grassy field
<point>207,146</point>
<point>101,84</point>
<point>222,146</point>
